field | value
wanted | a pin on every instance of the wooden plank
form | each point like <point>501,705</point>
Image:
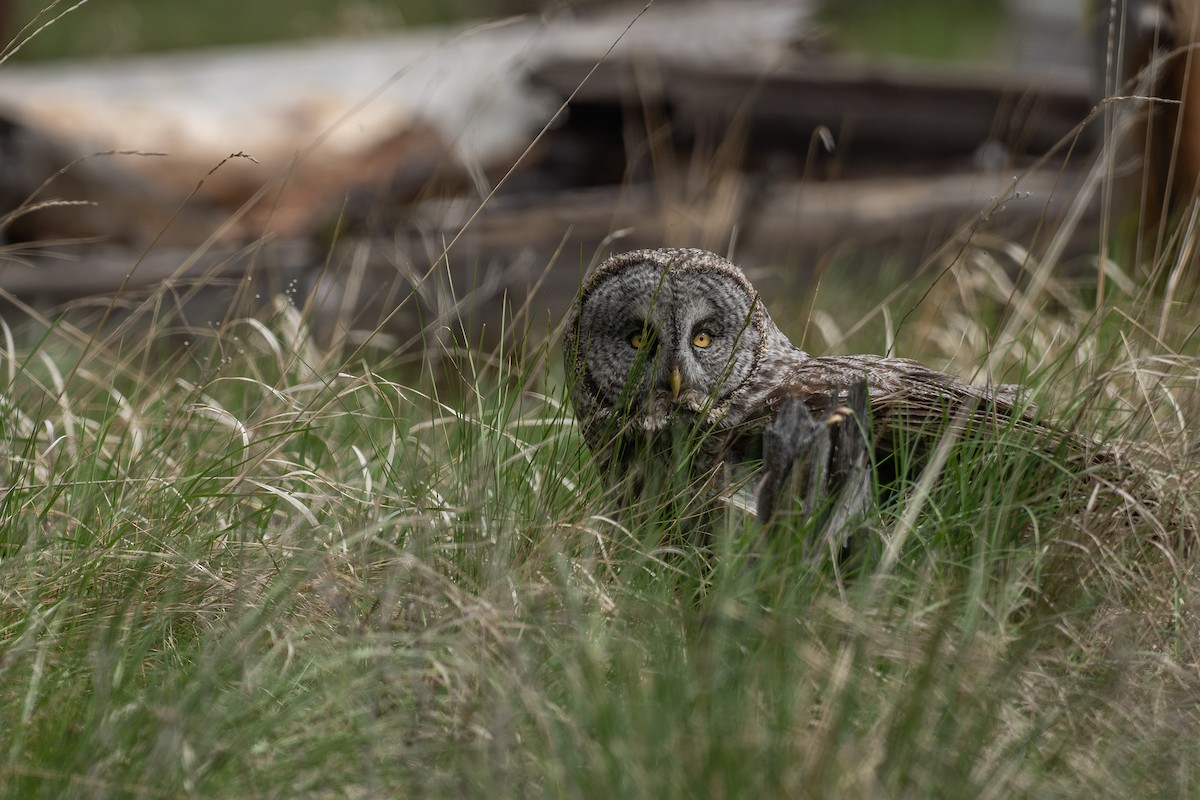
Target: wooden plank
<point>903,110</point>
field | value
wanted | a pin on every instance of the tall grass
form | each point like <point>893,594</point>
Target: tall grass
<point>243,568</point>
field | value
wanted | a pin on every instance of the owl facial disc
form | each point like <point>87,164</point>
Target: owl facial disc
<point>665,330</point>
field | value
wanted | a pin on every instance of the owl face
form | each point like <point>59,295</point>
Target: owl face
<point>663,333</point>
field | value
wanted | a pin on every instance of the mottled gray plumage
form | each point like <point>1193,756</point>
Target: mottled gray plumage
<point>712,361</point>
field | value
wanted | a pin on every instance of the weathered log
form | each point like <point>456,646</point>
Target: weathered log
<point>871,113</point>
<point>324,118</point>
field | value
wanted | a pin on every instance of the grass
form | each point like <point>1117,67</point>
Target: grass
<point>238,570</point>
<point>936,30</point>
<point>249,567</point>
<point>101,28</point>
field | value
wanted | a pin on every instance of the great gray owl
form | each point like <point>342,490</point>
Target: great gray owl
<point>673,348</point>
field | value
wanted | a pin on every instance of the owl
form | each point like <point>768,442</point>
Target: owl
<point>675,366</point>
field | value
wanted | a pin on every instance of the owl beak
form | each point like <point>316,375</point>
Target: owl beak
<point>676,382</point>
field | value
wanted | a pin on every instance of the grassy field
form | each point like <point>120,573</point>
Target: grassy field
<point>936,30</point>
<point>243,566</point>
<point>248,568</point>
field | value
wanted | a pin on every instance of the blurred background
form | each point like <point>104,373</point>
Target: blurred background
<point>389,165</point>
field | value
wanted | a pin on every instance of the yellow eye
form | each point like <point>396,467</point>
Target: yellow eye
<point>638,340</point>
<point>702,339</point>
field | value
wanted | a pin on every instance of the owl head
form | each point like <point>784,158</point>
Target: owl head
<point>657,334</point>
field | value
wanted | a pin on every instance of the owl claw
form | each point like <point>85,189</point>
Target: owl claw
<point>820,466</point>
<point>839,414</point>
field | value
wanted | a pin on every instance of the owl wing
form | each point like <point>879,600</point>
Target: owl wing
<point>907,398</point>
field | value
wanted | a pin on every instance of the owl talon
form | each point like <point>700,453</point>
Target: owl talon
<point>839,414</point>
<point>826,463</point>
<point>852,468</point>
<point>787,438</point>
